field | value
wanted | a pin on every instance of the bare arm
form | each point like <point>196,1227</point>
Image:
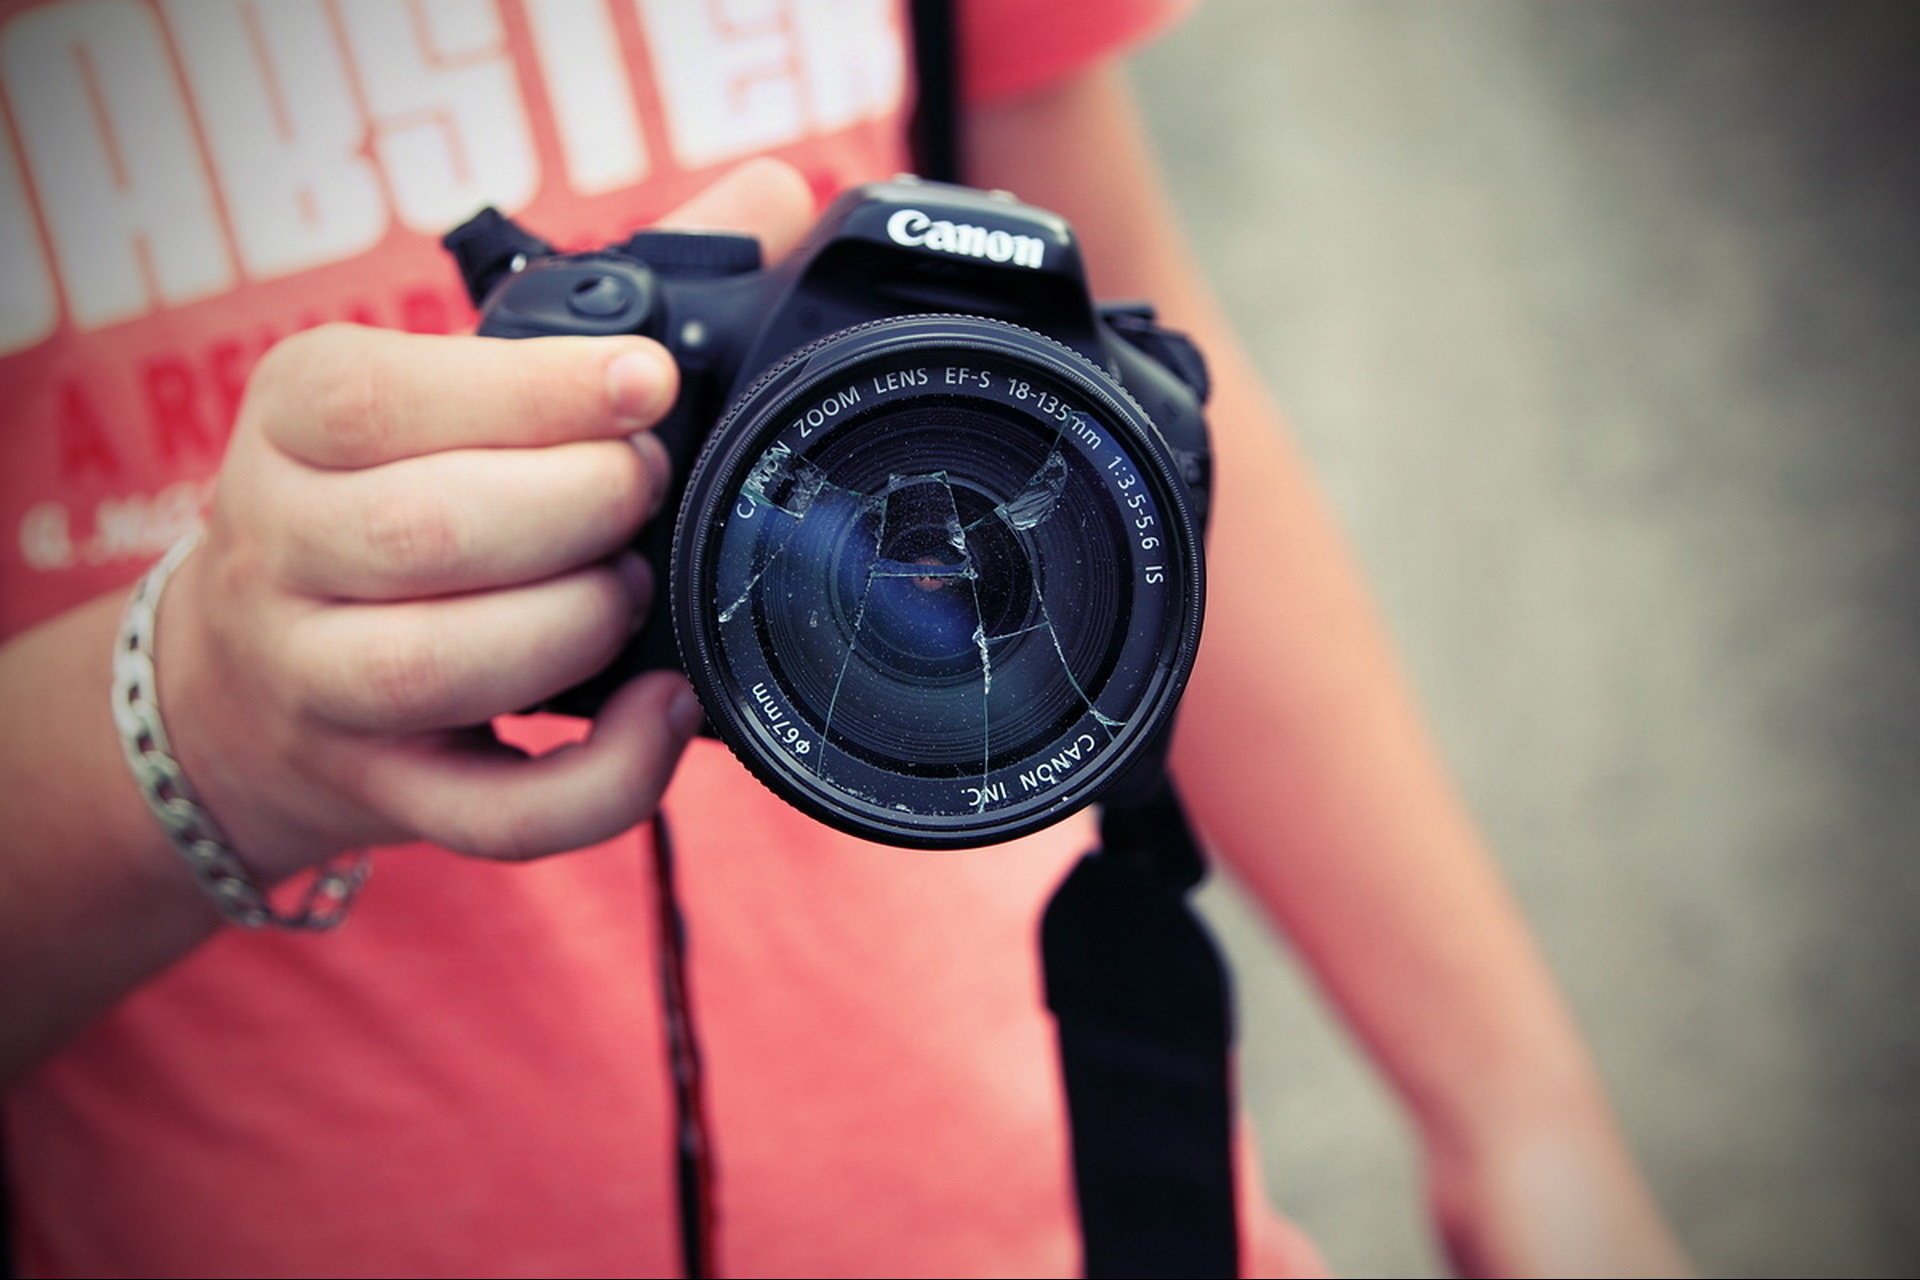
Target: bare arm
<point>1303,757</point>
<point>91,897</point>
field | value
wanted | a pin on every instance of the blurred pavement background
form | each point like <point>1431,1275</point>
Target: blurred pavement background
<point>1600,323</point>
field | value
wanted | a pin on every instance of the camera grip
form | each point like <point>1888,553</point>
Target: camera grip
<point>605,296</point>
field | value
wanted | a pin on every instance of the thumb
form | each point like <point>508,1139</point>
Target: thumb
<point>473,794</point>
<point>764,197</point>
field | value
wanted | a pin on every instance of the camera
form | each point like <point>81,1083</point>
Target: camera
<point>933,554</point>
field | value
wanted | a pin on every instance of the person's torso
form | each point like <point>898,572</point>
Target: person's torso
<point>470,1075</point>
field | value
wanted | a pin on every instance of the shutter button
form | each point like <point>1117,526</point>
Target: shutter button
<point>600,297</point>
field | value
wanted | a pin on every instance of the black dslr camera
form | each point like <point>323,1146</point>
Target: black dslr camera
<point>933,555</point>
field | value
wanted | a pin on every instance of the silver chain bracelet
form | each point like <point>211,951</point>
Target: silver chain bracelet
<point>189,827</point>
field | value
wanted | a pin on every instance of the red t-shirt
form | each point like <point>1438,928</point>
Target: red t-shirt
<point>469,1077</point>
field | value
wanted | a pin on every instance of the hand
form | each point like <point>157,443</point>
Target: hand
<point>411,535</point>
<point>1560,1200</point>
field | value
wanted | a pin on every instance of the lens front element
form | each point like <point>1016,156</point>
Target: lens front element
<point>936,582</point>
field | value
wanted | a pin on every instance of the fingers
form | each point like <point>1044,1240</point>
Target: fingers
<point>344,396</point>
<point>763,197</point>
<point>405,517</point>
<point>468,519</point>
<point>439,664</point>
<point>479,797</point>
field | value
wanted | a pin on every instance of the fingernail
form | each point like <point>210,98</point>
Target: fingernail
<point>637,576</point>
<point>635,573</point>
<point>653,456</point>
<point>640,383</point>
<point>684,713</point>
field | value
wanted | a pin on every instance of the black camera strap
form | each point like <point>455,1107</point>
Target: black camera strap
<point>692,1140</point>
<point>1140,995</point>
<point>934,132</point>
<point>1141,1001</point>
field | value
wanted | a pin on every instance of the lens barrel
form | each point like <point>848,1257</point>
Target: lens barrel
<point>936,580</point>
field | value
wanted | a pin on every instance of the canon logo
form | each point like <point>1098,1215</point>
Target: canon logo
<point>916,230</point>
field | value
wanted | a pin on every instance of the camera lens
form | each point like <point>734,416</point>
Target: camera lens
<point>935,580</point>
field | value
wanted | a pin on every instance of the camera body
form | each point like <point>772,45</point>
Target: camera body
<point>938,318</point>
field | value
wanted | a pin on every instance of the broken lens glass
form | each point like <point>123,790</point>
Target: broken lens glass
<point>944,589</point>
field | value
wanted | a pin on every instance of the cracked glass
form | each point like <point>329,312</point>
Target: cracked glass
<point>942,589</point>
